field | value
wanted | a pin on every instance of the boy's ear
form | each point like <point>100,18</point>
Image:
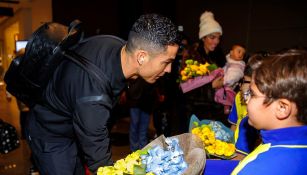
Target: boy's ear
<point>283,109</point>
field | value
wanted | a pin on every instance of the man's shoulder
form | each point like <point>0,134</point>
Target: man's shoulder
<point>104,39</point>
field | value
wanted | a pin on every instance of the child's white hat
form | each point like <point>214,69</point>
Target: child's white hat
<point>208,25</point>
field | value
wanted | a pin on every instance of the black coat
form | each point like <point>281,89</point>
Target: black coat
<point>75,110</point>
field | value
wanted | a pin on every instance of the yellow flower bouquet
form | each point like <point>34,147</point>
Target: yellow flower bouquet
<point>195,75</point>
<point>194,69</point>
<point>130,165</point>
<point>217,139</point>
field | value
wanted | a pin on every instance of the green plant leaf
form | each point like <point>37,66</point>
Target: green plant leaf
<point>139,169</point>
<point>195,124</point>
<point>212,67</point>
<point>143,151</point>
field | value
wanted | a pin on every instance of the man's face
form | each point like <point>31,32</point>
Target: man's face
<point>156,66</point>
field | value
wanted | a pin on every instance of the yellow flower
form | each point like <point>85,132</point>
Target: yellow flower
<point>194,68</point>
<point>219,151</point>
<point>230,149</point>
<point>228,153</point>
<point>210,149</point>
<point>107,170</point>
<point>120,164</point>
<point>130,166</point>
<point>199,72</point>
<point>196,131</point>
<point>183,73</point>
<point>118,172</point>
<point>206,130</point>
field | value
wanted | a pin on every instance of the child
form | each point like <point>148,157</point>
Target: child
<point>233,72</point>
<point>276,106</point>
<point>245,136</point>
<point>234,68</point>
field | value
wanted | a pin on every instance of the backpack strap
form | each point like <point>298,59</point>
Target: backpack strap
<point>97,74</point>
<point>73,38</point>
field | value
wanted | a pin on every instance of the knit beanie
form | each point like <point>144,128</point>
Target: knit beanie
<point>208,25</point>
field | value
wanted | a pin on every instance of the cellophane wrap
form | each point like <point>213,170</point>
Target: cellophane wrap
<point>193,148</point>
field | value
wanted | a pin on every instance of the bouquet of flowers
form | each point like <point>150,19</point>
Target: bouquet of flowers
<point>195,75</point>
<point>217,138</point>
<point>194,69</point>
<point>163,156</point>
<point>129,165</point>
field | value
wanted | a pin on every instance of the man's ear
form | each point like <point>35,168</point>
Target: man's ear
<point>283,109</point>
<point>141,54</point>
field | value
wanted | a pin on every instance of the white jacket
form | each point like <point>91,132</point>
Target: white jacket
<point>233,71</point>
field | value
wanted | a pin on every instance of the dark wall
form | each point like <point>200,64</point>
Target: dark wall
<point>259,25</point>
<point>109,17</point>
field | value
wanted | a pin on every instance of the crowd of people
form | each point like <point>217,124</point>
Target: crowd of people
<point>267,113</point>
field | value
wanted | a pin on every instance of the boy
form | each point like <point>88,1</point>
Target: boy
<point>277,107</point>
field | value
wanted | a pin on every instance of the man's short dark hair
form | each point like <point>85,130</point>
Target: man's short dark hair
<point>153,33</point>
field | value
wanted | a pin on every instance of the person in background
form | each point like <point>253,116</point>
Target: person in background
<point>200,101</point>
<point>276,105</point>
<point>169,97</point>
<point>70,128</point>
<point>140,98</point>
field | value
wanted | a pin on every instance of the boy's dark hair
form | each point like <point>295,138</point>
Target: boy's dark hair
<point>284,75</point>
<point>153,33</point>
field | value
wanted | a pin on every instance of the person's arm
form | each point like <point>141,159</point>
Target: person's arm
<point>90,126</point>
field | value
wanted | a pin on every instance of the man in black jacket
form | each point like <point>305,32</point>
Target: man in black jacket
<point>63,141</point>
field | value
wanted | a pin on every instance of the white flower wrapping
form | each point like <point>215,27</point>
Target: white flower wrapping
<point>192,147</point>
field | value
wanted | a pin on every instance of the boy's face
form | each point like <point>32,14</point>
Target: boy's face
<point>260,115</point>
<point>237,53</point>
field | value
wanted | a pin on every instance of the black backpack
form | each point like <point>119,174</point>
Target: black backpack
<point>29,74</point>
<point>8,137</point>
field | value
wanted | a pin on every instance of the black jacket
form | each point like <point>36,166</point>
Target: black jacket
<point>74,109</point>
